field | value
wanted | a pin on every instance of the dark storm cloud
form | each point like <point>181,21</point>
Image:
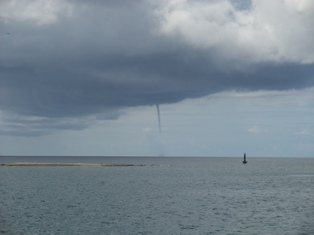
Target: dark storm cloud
<point>98,57</point>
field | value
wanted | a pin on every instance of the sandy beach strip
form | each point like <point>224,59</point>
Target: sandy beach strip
<point>65,164</point>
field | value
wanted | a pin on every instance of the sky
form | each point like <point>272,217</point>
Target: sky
<point>85,78</point>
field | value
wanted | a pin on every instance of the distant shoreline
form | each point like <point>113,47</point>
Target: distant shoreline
<point>65,164</point>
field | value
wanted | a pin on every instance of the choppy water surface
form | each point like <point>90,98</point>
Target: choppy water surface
<point>167,196</point>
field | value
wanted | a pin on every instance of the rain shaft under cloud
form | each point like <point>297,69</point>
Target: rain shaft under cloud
<point>74,59</point>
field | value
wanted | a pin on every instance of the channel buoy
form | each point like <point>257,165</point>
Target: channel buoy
<point>244,159</point>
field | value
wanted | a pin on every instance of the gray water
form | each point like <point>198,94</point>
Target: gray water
<point>167,196</point>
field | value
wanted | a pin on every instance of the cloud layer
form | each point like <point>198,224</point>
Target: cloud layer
<point>267,31</point>
<point>74,59</point>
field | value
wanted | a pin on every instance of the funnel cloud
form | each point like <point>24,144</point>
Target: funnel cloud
<point>158,114</point>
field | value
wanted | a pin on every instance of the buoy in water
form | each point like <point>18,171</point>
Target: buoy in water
<point>244,159</point>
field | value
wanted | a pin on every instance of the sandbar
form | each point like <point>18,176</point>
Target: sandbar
<point>66,164</point>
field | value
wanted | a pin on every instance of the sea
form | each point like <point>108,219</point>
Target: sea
<point>167,195</point>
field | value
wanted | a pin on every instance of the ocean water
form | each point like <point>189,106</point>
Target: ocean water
<point>166,196</point>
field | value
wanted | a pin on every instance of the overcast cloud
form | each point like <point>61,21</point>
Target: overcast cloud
<point>65,64</point>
